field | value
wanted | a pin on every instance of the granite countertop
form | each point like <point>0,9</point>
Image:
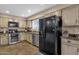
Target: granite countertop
<point>20,30</point>
<point>72,38</point>
<point>34,32</point>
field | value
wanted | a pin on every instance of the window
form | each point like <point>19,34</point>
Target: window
<point>35,25</point>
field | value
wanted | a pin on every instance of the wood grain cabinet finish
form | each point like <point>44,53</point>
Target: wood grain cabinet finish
<point>4,21</point>
<point>4,39</point>
<point>29,37</point>
<point>69,47</point>
<point>23,36</point>
<point>69,50</point>
<point>22,23</point>
<point>70,15</point>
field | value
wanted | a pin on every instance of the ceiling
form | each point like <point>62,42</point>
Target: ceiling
<point>23,10</point>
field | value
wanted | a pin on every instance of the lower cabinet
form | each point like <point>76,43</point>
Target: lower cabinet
<point>69,47</point>
<point>25,36</point>
<point>22,36</point>
<point>29,37</point>
<point>69,50</point>
<point>4,39</point>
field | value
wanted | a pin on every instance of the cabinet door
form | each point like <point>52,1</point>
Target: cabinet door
<point>70,15</point>
<point>29,37</point>
<point>22,23</point>
<point>4,39</point>
<point>22,36</point>
<point>69,50</point>
<point>4,22</point>
<point>29,23</point>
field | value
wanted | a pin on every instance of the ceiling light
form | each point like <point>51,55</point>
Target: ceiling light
<point>7,11</point>
<point>29,11</point>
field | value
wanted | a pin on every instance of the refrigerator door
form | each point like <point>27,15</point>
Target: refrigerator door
<point>49,39</point>
<point>50,36</point>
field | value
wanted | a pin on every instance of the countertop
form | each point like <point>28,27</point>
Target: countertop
<point>30,32</point>
<point>33,32</point>
<point>21,30</point>
<point>71,38</point>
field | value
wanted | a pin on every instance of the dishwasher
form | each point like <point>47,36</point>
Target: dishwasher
<point>35,39</point>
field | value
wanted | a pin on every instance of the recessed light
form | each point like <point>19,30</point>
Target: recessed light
<point>7,11</point>
<point>29,10</point>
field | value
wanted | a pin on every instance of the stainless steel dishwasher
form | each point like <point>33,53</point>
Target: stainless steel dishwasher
<point>35,39</point>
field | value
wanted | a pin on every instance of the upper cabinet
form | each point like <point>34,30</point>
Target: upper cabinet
<point>29,23</point>
<point>57,13</point>
<point>22,23</point>
<point>3,22</point>
<point>70,16</point>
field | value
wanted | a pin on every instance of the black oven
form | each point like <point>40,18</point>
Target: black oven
<point>13,32</point>
<point>13,36</point>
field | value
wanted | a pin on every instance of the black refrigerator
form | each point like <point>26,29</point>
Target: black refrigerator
<point>50,31</point>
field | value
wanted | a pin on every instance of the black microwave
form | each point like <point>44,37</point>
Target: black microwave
<point>13,24</point>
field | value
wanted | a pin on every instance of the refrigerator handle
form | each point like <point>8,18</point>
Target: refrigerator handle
<point>44,32</point>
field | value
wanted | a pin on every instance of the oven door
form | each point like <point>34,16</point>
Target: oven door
<point>13,36</point>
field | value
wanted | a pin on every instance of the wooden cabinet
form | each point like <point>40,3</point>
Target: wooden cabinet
<point>3,21</point>
<point>22,23</point>
<point>57,13</point>
<point>70,15</point>
<point>29,23</point>
<point>26,36</point>
<point>69,47</point>
<point>69,50</point>
<point>4,39</point>
<point>29,37</point>
<point>23,36</point>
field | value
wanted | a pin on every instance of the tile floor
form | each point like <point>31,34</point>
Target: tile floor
<point>21,48</point>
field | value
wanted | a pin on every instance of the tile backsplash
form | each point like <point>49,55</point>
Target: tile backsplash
<point>71,30</point>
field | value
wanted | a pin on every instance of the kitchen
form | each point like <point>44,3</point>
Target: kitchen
<point>20,35</point>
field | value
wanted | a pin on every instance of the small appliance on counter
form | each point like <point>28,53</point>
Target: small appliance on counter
<point>28,29</point>
<point>65,33</point>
